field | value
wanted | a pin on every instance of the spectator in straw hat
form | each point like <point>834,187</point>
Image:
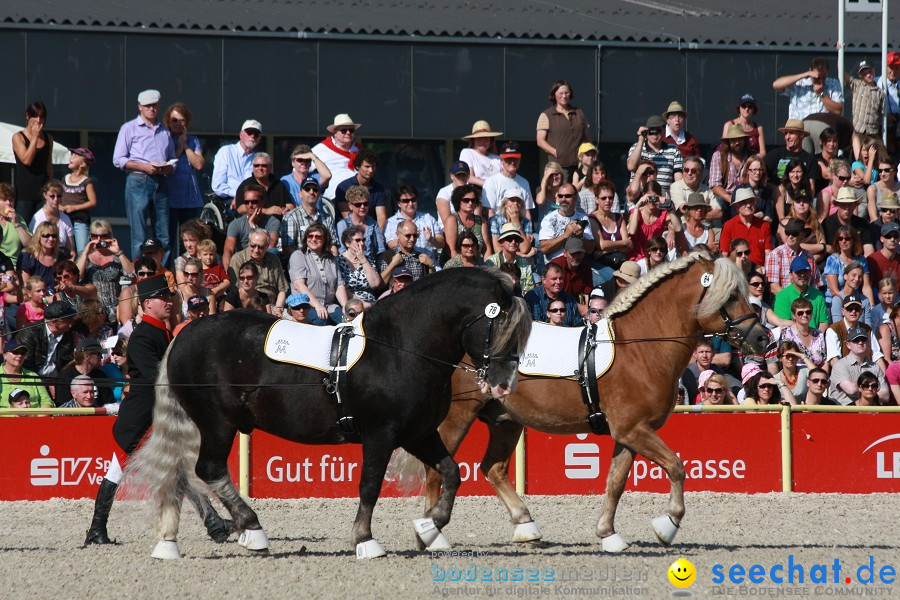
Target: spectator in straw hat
<point>812,91</point>
<point>676,134</point>
<point>562,128</point>
<point>509,244</point>
<point>481,156</point>
<point>846,202</point>
<point>627,274</point>
<point>726,166</point>
<point>338,151</point>
<point>778,158</point>
<point>748,226</point>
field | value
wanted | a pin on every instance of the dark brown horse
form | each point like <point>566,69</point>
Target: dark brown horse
<point>656,323</point>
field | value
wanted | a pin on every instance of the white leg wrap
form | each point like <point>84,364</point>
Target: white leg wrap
<point>166,550</point>
<point>369,549</point>
<point>426,530</point>
<point>254,539</point>
<point>613,543</point>
<point>527,532</point>
<point>665,529</point>
<point>114,473</point>
<point>440,543</point>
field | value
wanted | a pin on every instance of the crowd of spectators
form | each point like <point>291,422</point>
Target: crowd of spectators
<point>816,234</point>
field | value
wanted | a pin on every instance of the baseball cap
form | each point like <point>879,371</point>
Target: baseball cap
<point>856,333</point>
<point>149,97</point>
<point>195,302</point>
<point>510,150</point>
<point>12,344</point>
<point>252,124</point>
<point>89,344</point>
<point>17,394</point>
<point>800,263</point>
<point>402,271</point>
<point>863,64</point>
<point>748,371</point>
<point>586,147</point>
<point>310,181</point>
<point>151,244</point>
<point>893,58</point>
<point>574,244</point>
<point>84,153</point>
<point>889,228</point>
<point>296,300</point>
<point>794,226</point>
<point>458,167</point>
<point>512,192</point>
<point>852,299</point>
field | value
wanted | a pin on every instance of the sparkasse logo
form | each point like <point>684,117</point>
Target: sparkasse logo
<point>887,463</point>
<point>65,471</point>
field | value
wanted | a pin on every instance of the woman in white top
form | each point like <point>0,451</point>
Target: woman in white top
<point>695,230</point>
<point>53,193</point>
<point>481,155</point>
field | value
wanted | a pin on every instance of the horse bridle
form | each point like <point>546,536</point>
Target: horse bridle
<point>733,332</point>
<point>491,312</point>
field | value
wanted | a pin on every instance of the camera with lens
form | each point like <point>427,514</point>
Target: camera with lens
<point>103,244</point>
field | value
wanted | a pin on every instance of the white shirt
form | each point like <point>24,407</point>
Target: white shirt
<point>480,165</point>
<point>553,226</point>
<point>444,195</point>
<point>499,183</point>
<point>833,345</point>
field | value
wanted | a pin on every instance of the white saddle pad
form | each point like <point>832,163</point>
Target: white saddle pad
<point>309,345</point>
<point>553,351</point>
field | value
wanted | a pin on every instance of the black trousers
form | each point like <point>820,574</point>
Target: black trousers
<point>135,418</point>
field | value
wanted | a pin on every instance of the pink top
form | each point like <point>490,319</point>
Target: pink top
<point>645,232</point>
<point>32,314</point>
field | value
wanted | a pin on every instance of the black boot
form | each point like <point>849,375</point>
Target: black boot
<point>217,528</point>
<point>102,505</point>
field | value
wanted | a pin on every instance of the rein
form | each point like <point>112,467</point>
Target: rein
<point>736,334</point>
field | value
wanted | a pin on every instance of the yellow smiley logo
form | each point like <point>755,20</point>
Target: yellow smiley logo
<point>682,573</point>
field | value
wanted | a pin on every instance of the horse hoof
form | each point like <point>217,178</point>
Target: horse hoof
<point>440,544</point>
<point>166,550</point>
<point>254,540</point>
<point>527,532</point>
<point>613,543</point>
<point>665,529</point>
<point>369,549</point>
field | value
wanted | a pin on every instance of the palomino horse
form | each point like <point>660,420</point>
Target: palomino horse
<point>215,381</point>
<point>656,322</point>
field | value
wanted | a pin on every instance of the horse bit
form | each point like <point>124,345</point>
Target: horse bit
<point>491,312</point>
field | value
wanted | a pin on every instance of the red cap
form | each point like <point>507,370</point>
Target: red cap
<point>893,58</point>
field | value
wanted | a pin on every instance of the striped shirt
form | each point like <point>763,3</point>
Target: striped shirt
<point>868,107</point>
<point>668,162</point>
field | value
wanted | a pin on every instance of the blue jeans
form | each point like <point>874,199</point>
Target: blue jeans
<point>146,197</point>
<point>177,216</point>
<point>82,235</point>
<point>334,317</point>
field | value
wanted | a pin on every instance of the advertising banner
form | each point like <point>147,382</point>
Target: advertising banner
<point>722,452</point>
<point>850,453</point>
<point>282,469</point>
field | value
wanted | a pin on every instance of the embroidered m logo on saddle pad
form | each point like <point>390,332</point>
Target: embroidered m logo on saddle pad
<point>309,345</point>
<point>553,351</point>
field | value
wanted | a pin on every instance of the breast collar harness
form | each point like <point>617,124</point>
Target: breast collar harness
<point>736,334</point>
<point>491,312</point>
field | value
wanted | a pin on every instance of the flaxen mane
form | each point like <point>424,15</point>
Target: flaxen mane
<point>727,278</point>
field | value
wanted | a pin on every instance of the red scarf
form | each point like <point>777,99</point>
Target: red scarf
<point>351,156</point>
<point>158,324</point>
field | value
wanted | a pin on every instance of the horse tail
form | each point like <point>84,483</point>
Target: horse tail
<point>162,468</point>
<point>406,473</point>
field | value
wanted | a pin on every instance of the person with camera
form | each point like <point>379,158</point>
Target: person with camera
<point>103,263</point>
<point>651,145</point>
<point>648,220</point>
<point>563,223</point>
<point>812,91</point>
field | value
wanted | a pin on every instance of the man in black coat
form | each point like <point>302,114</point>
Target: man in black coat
<point>146,347</point>
<point>51,344</point>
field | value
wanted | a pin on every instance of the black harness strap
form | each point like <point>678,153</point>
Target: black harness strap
<point>336,384</point>
<point>587,377</point>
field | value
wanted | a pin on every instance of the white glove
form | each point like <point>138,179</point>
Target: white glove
<point>112,408</point>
